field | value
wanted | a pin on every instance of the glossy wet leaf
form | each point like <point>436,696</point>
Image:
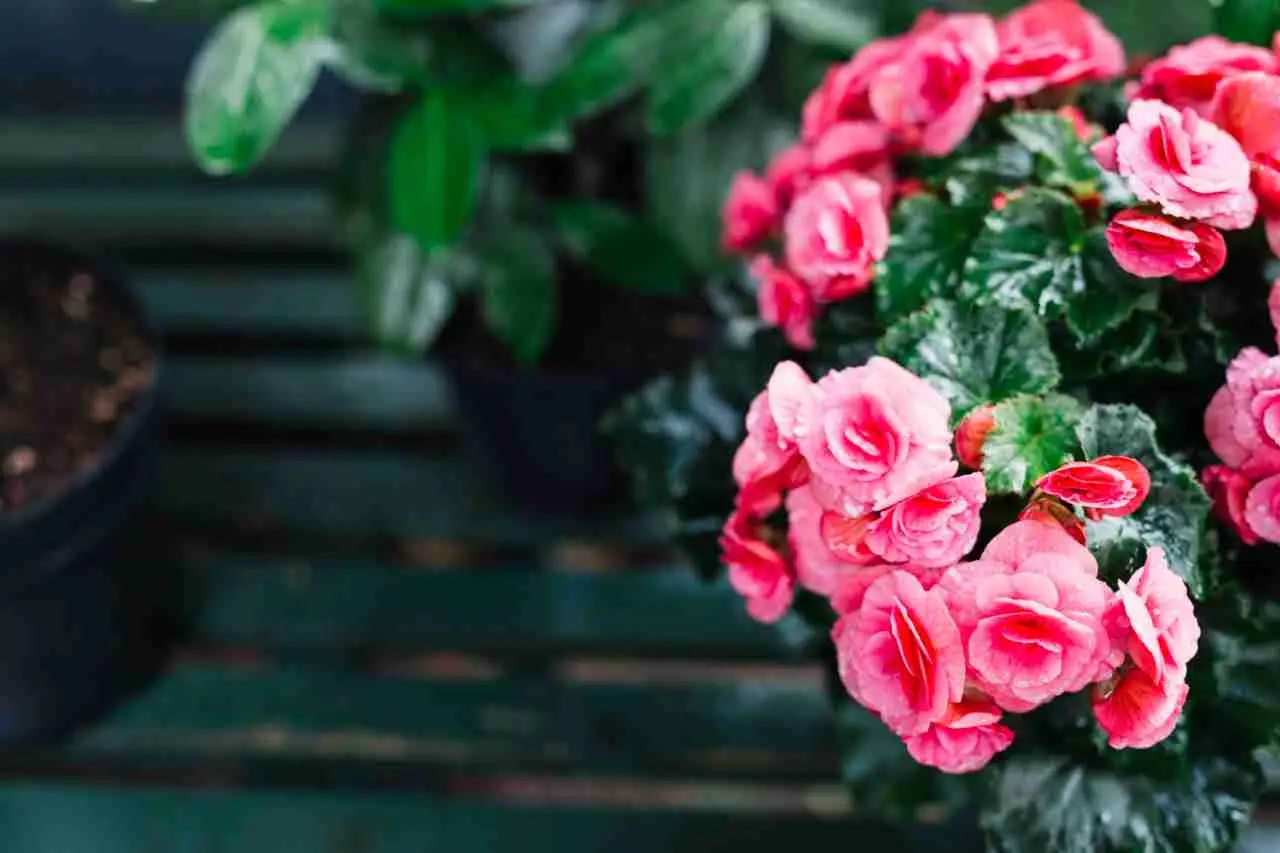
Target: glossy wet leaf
<point>930,240</point>
<point>518,292</point>
<point>408,296</point>
<point>1032,436</point>
<point>624,250</point>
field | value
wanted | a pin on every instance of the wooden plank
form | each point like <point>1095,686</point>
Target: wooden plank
<point>82,819</point>
<point>337,605</point>
<point>206,712</point>
<point>345,391</point>
<point>371,493</point>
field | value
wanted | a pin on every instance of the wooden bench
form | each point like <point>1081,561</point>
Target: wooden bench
<point>377,654</point>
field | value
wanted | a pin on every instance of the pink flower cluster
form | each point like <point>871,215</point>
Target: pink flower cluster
<point>938,647</point>
<point>825,198</point>
<point>1201,151</point>
<point>1242,424</point>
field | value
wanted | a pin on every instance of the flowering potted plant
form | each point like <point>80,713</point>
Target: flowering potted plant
<point>533,183</point>
<point>1005,431</point>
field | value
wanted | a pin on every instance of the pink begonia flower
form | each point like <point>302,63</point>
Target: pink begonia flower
<point>846,536</point>
<point>1188,76</point>
<point>1228,489</point>
<point>768,460</point>
<point>788,173</point>
<point>1273,308</point>
<point>1247,106</point>
<point>750,213</point>
<point>1150,245</point>
<point>1031,614</point>
<point>1262,509</point>
<point>972,434</point>
<point>835,232</point>
<point>757,571</point>
<point>1109,485</point>
<point>817,568</point>
<point>1051,43</point>
<point>843,93</point>
<point>1242,421</point>
<point>963,741</point>
<point>1187,165</point>
<point>874,435</point>
<point>1163,633</point>
<point>899,654</point>
<point>1273,235</point>
<point>933,91</point>
<point>847,596</point>
<point>784,302</point>
<point>850,146</point>
<point>934,527</point>
<point>1138,712</point>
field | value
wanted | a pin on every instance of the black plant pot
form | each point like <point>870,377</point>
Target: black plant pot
<point>537,434</point>
<point>71,627</point>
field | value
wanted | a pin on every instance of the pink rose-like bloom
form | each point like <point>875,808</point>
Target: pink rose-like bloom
<point>1161,620</point>
<point>1187,165</point>
<point>852,588</point>
<point>874,435</point>
<point>845,537</point>
<point>788,173</point>
<point>843,93</point>
<point>784,302</point>
<point>1051,43</point>
<point>1031,615</point>
<point>750,213</point>
<point>757,571</point>
<point>1188,76</point>
<point>1242,421</point>
<point>934,527</point>
<point>1262,509</point>
<point>899,655</point>
<point>1273,308</point>
<point>768,461</point>
<point>817,569</point>
<point>1139,712</point>
<point>835,233</point>
<point>1150,245</point>
<point>1229,489</point>
<point>972,434</point>
<point>932,93</point>
<point>850,146</point>
<point>964,741</point>
<point>1109,485</point>
<point>1248,107</point>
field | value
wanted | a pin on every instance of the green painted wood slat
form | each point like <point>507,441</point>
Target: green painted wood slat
<point>347,605</point>
<point>71,819</point>
<point>202,712</point>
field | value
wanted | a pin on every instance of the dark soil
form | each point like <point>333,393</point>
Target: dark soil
<point>74,360</point>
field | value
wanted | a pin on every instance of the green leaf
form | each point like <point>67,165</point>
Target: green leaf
<point>1041,804</point>
<point>1032,436</point>
<point>974,355</point>
<point>929,242</point>
<point>1250,21</point>
<point>1036,249</point>
<point>974,179</point>
<point>518,289</point>
<point>1064,160</point>
<point>625,251</point>
<point>843,24</point>
<point>433,169</point>
<point>408,296</point>
<point>428,8</point>
<point>513,117</point>
<point>249,80</point>
<point>702,69</point>
<point>1175,514</point>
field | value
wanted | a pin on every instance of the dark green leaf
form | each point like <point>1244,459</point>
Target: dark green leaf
<point>974,179</point>
<point>408,296</point>
<point>973,354</point>
<point>249,80</point>
<point>433,169</point>
<point>1249,21</point>
<point>518,289</point>
<point>927,250</point>
<point>704,67</point>
<point>1036,249</point>
<point>1241,639</point>
<point>428,8</point>
<point>844,24</point>
<point>625,251</point>
<point>1032,436</point>
<point>1064,160</point>
<point>1176,512</point>
<point>514,117</point>
<point>1041,804</point>
<point>688,174</point>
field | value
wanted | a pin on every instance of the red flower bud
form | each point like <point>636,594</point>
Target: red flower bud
<point>1047,510</point>
<point>972,434</point>
<point>1109,485</point>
